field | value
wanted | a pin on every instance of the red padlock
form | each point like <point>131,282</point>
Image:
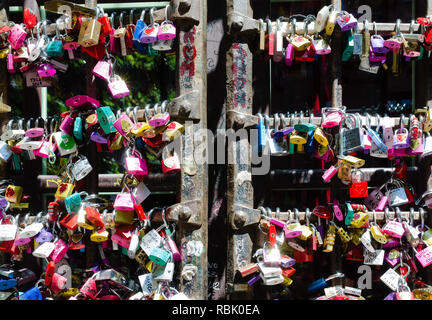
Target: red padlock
<point>70,222</point>
<point>49,272</point>
<point>94,217</point>
<point>358,190</point>
<point>272,235</point>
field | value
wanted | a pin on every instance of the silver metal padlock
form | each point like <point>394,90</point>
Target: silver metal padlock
<point>81,168</point>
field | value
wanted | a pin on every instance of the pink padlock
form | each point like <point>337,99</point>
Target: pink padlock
<point>170,163</point>
<point>124,202</point>
<point>167,30</point>
<point>70,47</point>
<point>425,256</point>
<point>67,125</point>
<point>329,174</point>
<point>89,289</point>
<point>396,152</point>
<point>58,283</point>
<point>123,124</point>
<point>81,101</point>
<point>332,119</point>
<point>150,34</point>
<point>118,88</point>
<point>289,55</point>
<point>16,37</point>
<point>135,164</point>
<point>34,132</point>
<point>160,119</point>
<point>45,70</point>
<point>59,251</point>
<point>21,241</point>
<point>102,70</point>
<point>43,151</point>
<point>121,241</point>
<point>10,64</point>
<point>394,229</point>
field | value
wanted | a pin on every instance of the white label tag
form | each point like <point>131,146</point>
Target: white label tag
<point>353,291</point>
<point>391,279</point>
<point>374,258</point>
<point>366,241</point>
<point>33,79</point>
<point>365,65</point>
<point>332,291</point>
<point>146,282</point>
<point>150,241</point>
<point>141,192</point>
<point>164,273</point>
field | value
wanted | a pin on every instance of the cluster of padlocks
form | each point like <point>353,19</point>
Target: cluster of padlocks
<point>54,238</point>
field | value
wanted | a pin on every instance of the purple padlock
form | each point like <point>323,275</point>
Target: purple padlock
<point>43,236</point>
<point>346,22</point>
<point>80,101</point>
<point>377,44</point>
<point>118,88</point>
<point>401,139</point>
<point>21,241</point>
<point>377,57</point>
<point>150,34</point>
<point>396,152</point>
<point>10,63</point>
<point>391,296</point>
<point>45,70</point>
<point>67,125</point>
<point>96,137</point>
<point>287,262</point>
<point>390,261</point>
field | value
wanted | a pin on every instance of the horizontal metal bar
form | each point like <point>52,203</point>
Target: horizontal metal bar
<point>286,216</point>
<point>291,177</point>
<point>252,120</point>
<point>287,27</point>
<point>111,182</point>
<point>133,5</point>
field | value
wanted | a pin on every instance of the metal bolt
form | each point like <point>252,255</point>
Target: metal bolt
<point>184,6</point>
<point>237,24</point>
<point>240,219</point>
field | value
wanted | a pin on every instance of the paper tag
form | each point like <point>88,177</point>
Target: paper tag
<point>374,258</point>
<point>353,291</point>
<point>146,282</point>
<point>151,240</point>
<point>365,65</point>
<point>141,192</point>
<point>366,241</point>
<point>391,279</point>
<point>33,80</point>
<point>332,291</point>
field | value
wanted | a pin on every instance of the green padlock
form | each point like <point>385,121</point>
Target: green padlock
<point>304,127</point>
<point>106,119</point>
<point>160,256</point>
<point>349,46</point>
<point>55,49</point>
<point>349,215</point>
<point>78,128</point>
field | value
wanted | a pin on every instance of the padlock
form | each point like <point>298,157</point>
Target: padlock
<point>89,33</point>
<point>160,256</point>
<point>124,217</point>
<point>81,168</point>
<point>70,221</point>
<point>81,217</point>
<point>54,48</point>
<point>352,140</point>
<point>394,229</point>
<point>173,131</point>
<point>44,236</point>
<point>102,70</point>
<point>375,200</point>
<point>8,231</point>
<point>124,202</point>
<point>170,162</point>
<point>401,140</point>
<point>17,36</point>
<point>59,251</point>
<point>106,119</point>
<point>139,27</point>
<point>44,250</point>
<point>65,143</point>
<point>73,202</point>
<point>396,196</point>
<point>358,190</point>
<point>359,219</point>
<point>123,124</point>
<point>64,190</point>
<point>116,143</point>
<point>348,41</point>
<point>118,87</point>
<point>150,33</point>
<point>377,44</point>
<point>46,70</point>
<point>100,235</point>
<point>31,294</point>
<point>160,119</point>
<point>14,193</point>
<point>135,164</point>
<point>346,21</point>
<point>300,43</point>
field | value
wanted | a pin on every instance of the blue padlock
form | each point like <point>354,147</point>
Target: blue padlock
<point>322,283</point>
<point>310,148</point>
<point>261,134</point>
<point>32,294</point>
<point>55,49</point>
<point>106,119</point>
<point>7,284</point>
<point>139,27</point>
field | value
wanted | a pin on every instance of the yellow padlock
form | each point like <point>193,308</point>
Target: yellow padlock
<point>173,131</point>
<point>299,140</point>
<point>320,137</point>
<point>153,131</point>
<point>287,281</point>
<point>89,33</point>
<point>377,234</point>
<point>306,232</point>
<point>331,22</point>
<point>98,236</point>
<point>353,161</point>
<point>13,193</point>
<point>344,171</point>
<point>139,129</point>
<point>359,219</point>
<point>124,217</point>
<point>82,219</point>
<point>141,257</point>
<point>64,190</point>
